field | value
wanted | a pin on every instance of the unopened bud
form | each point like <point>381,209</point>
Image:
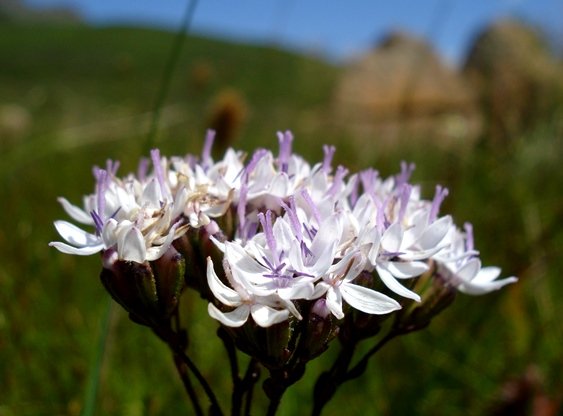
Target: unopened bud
<point>148,291</point>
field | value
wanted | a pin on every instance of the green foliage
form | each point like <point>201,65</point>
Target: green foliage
<point>88,92</point>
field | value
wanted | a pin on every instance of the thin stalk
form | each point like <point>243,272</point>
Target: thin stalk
<point>169,70</point>
<point>96,367</point>
<point>188,384</point>
<point>361,366</point>
<point>202,381</point>
<point>250,378</point>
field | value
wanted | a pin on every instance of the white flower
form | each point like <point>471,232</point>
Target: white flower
<point>265,310</point>
<point>337,285</point>
<point>461,266</point>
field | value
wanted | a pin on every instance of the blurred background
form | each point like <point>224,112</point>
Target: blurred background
<point>470,91</point>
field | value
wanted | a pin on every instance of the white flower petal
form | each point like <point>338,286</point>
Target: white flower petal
<point>486,274</point>
<point>297,291</point>
<point>367,300</point>
<point>471,288</point>
<point>75,212</point>
<point>435,233</point>
<point>74,235</point>
<point>469,270</point>
<point>406,270</point>
<point>320,289</point>
<point>265,316</point>
<point>132,247</point>
<point>234,319</point>
<point>223,293</point>
<point>395,286</point>
<point>392,238</point>
<point>80,251</point>
<point>157,252</point>
<point>334,302</point>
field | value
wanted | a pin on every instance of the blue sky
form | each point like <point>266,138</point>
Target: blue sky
<point>335,28</point>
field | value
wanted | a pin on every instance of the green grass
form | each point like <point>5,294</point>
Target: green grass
<point>89,91</point>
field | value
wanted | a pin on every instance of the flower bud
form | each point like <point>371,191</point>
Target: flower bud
<point>319,330</point>
<point>149,291</point>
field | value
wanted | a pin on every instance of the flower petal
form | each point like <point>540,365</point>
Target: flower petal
<point>75,212</point>
<point>367,300</point>
<point>406,270</point>
<point>435,233</point>
<point>471,288</point>
<point>395,286</point>
<point>334,302</point>
<point>266,316</point>
<point>233,319</point>
<point>222,292</point>
<point>132,247</point>
<point>80,251</point>
<point>74,235</point>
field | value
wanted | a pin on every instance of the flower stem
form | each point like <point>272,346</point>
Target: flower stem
<point>188,384</point>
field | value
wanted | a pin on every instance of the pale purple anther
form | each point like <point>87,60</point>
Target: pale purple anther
<point>101,188</point>
<point>439,197</point>
<point>404,197</point>
<point>381,221</point>
<point>293,219</point>
<point>406,171</point>
<point>241,209</point>
<point>266,221</point>
<point>285,140</point>
<point>112,166</point>
<point>368,178</point>
<point>206,152</point>
<point>256,157</point>
<point>355,191</point>
<point>312,206</point>
<point>469,244</point>
<point>155,156</point>
<point>142,169</point>
<point>337,181</point>
<point>329,154</point>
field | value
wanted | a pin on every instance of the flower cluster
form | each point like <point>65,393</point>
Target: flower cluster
<point>286,233</point>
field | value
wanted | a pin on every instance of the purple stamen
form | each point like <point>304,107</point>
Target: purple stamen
<point>112,166</point>
<point>143,169</point>
<point>368,178</point>
<point>337,181</point>
<point>155,156</point>
<point>101,187</point>
<point>191,160</point>
<point>439,197</point>
<point>355,193</point>
<point>311,232</point>
<point>256,157</point>
<point>404,198</point>
<point>381,220</point>
<point>329,153</point>
<point>98,222</point>
<point>206,152</point>
<point>406,171</point>
<point>241,207</point>
<point>285,140</point>
<point>266,221</point>
<point>293,219</point>
<point>469,243</point>
<point>305,252</point>
<point>312,206</point>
